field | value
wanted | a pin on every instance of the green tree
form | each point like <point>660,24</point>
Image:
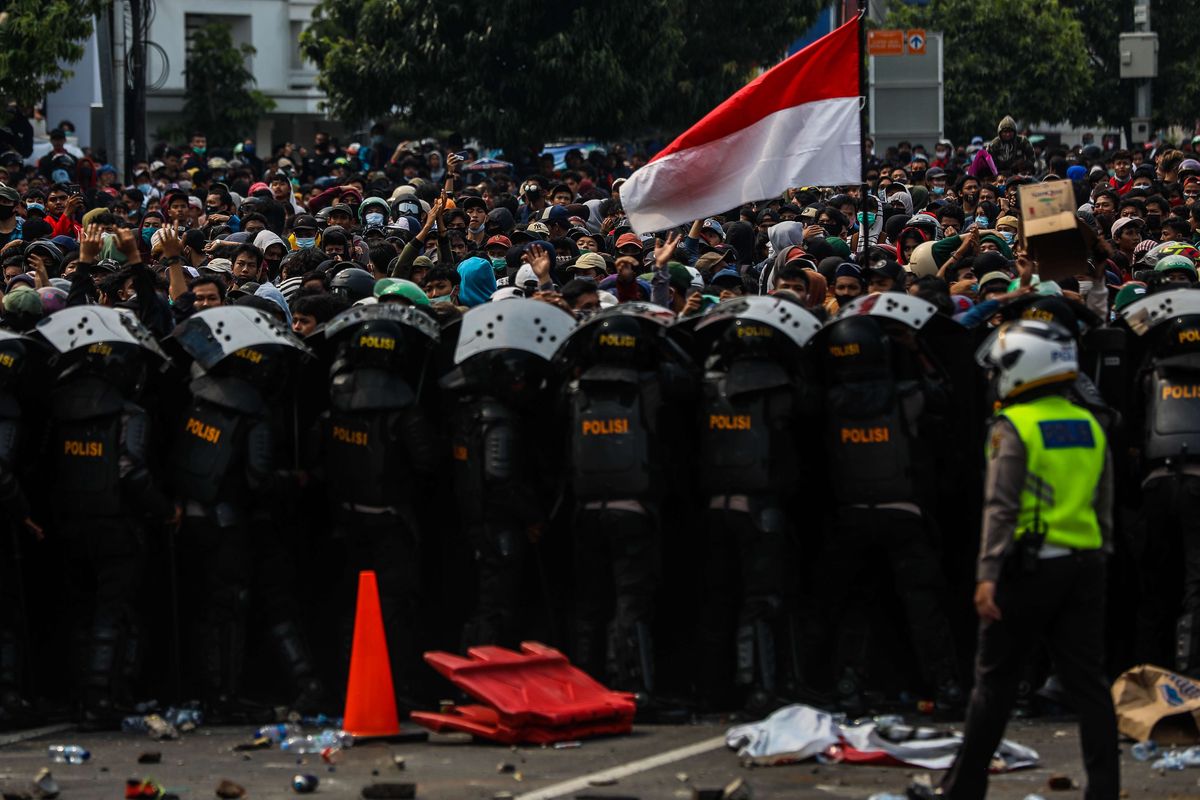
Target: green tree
<point>528,71</point>
<point>37,38</point>
<point>219,99</point>
<point>1027,58</point>
<point>1176,90</point>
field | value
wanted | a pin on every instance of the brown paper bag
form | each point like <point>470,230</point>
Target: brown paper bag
<point>1154,703</point>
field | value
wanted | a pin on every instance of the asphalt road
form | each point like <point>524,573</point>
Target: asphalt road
<point>653,762</point>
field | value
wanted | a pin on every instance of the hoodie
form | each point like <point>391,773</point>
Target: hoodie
<point>905,198</point>
<point>478,281</point>
<point>782,237</point>
<point>1006,154</point>
<point>272,293</point>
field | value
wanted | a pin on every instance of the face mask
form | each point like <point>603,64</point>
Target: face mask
<point>148,234</point>
<point>937,190</point>
<point>306,242</point>
<point>842,299</point>
<point>35,207</point>
<point>374,218</point>
<point>446,298</point>
<point>199,150</point>
<point>210,210</point>
<point>145,188</point>
<point>499,265</point>
<point>6,212</point>
<point>1008,236</point>
<point>941,153</point>
<point>272,265</point>
<point>376,140</point>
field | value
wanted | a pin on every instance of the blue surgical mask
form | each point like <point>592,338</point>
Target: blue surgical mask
<point>148,234</point>
<point>445,298</point>
<point>145,188</point>
<point>306,242</point>
<point>1008,236</point>
<point>35,207</point>
<point>374,218</point>
<point>938,189</point>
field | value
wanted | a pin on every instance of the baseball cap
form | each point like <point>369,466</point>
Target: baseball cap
<point>997,275</point>
<point>538,228</point>
<point>1122,222</point>
<point>222,265</point>
<point>629,240</point>
<point>889,269</point>
<point>498,241</point>
<point>557,215</point>
<point>590,261</point>
<point>711,224</point>
<point>727,277</point>
<point>304,221</point>
<point>1008,220</point>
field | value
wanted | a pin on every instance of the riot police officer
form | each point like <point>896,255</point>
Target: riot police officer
<point>377,445</point>
<point>224,463</point>
<point>15,354</point>
<point>1169,472</point>
<point>100,445</point>
<point>1041,572</point>
<point>626,399</point>
<point>879,387</point>
<point>502,477</point>
<point>751,459</point>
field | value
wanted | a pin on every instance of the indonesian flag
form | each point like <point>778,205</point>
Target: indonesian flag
<point>795,125</point>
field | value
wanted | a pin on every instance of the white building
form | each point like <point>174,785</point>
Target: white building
<point>272,27</point>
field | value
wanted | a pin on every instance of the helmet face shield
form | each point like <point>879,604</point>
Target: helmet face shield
<point>1028,354</point>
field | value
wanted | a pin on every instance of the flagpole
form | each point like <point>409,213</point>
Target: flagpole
<point>864,230</point>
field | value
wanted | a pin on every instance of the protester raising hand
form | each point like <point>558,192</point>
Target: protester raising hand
<point>90,239</point>
<point>172,245</point>
<point>665,251</point>
<point>539,259</point>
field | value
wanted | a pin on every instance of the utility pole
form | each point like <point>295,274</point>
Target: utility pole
<point>135,103</point>
<point>119,83</point>
<point>1139,61</point>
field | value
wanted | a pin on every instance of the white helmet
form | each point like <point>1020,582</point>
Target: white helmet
<point>1026,354</point>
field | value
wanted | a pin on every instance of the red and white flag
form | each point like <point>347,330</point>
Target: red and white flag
<point>797,124</point>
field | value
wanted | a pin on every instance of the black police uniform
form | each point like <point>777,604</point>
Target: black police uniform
<point>101,444</point>
<point>377,444</point>
<point>876,395</point>
<point>750,462</point>
<point>500,478</point>
<point>14,352</point>
<point>617,405</point>
<point>1170,478</point>
<point>224,463</point>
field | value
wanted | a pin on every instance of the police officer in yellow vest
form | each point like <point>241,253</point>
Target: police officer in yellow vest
<point>1041,576</point>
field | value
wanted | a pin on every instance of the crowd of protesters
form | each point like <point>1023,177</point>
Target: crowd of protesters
<point>305,232</point>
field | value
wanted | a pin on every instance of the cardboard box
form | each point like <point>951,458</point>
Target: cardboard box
<point>1051,233</point>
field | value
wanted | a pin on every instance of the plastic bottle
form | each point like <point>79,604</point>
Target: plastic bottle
<point>67,754</point>
<point>186,718</point>
<point>134,724</point>
<point>1144,751</point>
<point>1171,761</point>
<point>278,732</point>
<point>325,740</point>
<point>1190,757</point>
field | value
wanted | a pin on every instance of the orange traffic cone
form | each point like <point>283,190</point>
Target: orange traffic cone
<point>370,698</point>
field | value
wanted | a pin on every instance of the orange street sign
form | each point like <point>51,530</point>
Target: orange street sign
<point>885,43</point>
<point>915,40</point>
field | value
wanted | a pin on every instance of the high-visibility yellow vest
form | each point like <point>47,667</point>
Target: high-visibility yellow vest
<point>1064,460</point>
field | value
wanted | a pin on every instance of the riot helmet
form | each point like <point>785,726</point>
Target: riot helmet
<point>1028,354</point>
<point>1180,336</point>
<point>619,340</point>
<point>745,338</point>
<point>353,284</point>
<point>375,344</point>
<point>857,349</point>
<point>14,354</point>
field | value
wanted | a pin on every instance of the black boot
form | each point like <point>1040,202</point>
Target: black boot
<point>224,652</point>
<point>757,661</point>
<point>299,665</point>
<point>15,711</point>
<point>100,710</point>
